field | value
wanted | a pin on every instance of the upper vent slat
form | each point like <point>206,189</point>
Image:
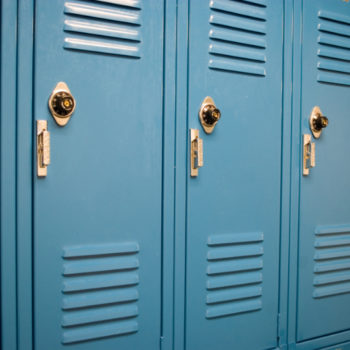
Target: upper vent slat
<point>332,16</point>
<point>112,31</point>
<point>110,27</point>
<point>333,45</point>
<point>103,47</point>
<point>238,37</point>
<point>333,79</point>
<point>127,3</point>
<point>102,13</point>
<point>238,23</point>
<point>334,28</point>
<point>334,53</point>
<point>239,8</point>
<point>332,40</point>
<point>256,2</point>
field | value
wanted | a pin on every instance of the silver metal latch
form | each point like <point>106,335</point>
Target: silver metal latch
<point>196,152</point>
<point>309,151</point>
<point>42,147</point>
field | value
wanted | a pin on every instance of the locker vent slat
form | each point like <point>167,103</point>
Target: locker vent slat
<point>234,270</point>
<point>333,51</point>
<point>332,261</point>
<point>103,26</point>
<point>238,36</point>
<point>100,291</point>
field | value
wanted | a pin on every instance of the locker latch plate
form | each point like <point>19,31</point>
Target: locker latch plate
<point>42,147</point>
<point>309,151</point>
<point>196,152</point>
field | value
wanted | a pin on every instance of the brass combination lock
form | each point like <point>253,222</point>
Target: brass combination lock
<point>209,115</point>
<point>317,122</point>
<point>61,104</point>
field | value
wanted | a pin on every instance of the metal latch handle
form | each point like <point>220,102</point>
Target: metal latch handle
<point>196,152</point>
<point>309,154</point>
<point>43,147</point>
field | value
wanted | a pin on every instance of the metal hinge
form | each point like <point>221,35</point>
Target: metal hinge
<point>42,147</point>
<point>161,340</point>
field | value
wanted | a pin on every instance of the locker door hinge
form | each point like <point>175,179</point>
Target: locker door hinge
<point>281,333</point>
<point>161,341</point>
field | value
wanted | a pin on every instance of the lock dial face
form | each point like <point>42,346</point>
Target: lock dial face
<point>209,115</point>
<point>317,122</point>
<point>61,104</point>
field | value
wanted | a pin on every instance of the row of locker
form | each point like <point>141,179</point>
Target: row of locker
<point>175,174</point>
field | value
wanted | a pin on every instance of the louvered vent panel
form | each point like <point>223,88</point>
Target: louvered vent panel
<point>234,270</point>
<point>238,36</point>
<point>333,48</point>
<point>104,26</point>
<point>332,261</point>
<point>99,291</point>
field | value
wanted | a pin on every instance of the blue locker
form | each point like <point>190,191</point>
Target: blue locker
<point>162,186</point>
<point>323,272</point>
<point>233,210</point>
<point>97,213</point>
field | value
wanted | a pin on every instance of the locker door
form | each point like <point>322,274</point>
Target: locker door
<point>97,213</point>
<point>235,57</point>
<point>324,235</point>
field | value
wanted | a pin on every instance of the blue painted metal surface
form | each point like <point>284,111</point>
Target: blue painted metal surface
<point>324,273</point>
<point>337,341</point>
<point>233,232</point>
<point>97,215</point>
<point>8,44</point>
<point>110,278</point>
<point>24,173</point>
